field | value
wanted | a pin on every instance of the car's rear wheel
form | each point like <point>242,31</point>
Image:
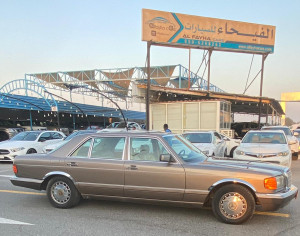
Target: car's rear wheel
<point>233,204</point>
<point>62,193</point>
<point>31,150</point>
<point>295,156</point>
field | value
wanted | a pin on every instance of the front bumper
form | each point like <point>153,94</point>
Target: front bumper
<point>27,183</point>
<point>274,201</point>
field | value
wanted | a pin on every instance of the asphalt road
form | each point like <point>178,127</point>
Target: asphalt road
<point>28,212</point>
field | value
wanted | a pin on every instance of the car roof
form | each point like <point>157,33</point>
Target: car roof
<point>274,126</point>
<point>266,131</point>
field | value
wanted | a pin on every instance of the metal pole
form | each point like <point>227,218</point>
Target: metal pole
<point>74,122</point>
<point>264,56</point>
<point>189,81</point>
<point>148,88</point>
<point>267,117</point>
<point>208,73</point>
<point>58,121</point>
<point>30,116</point>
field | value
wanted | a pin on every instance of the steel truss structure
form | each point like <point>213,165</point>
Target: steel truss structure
<point>121,83</point>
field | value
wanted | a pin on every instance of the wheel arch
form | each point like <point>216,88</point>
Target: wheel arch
<point>53,174</point>
<point>221,183</point>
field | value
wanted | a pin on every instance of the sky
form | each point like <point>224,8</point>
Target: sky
<point>50,36</point>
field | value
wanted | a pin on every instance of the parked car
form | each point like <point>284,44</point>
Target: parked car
<point>28,142</point>
<point>122,126</point>
<point>265,146</point>
<point>53,146</point>
<point>153,167</point>
<point>231,144</point>
<point>113,125</point>
<point>209,142</point>
<point>296,133</point>
<point>292,140</point>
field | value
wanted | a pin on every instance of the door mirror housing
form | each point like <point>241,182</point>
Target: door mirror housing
<point>166,158</point>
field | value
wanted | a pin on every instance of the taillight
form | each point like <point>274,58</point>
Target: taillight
<point>15,169</point>
<point>271,183</point>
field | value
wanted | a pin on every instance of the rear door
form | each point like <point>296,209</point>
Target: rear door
<point>149,178</point>
<point>97,166</point>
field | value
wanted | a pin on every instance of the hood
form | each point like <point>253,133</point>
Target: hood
<point>263,147</point>
<point>262,167</point>
<point>204,146</point>
<point>15,144</point>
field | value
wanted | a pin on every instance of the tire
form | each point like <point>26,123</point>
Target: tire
<point>229,210</point>
<point>295,156</point>
<point>31,150</point>
<point>62,193</point>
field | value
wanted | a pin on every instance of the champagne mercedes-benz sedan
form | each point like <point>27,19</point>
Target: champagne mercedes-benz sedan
<point>154,167</point>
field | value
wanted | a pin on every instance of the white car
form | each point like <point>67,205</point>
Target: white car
<point>266,146</point>
<point>209,142</point>
<point>231,144</point>
<point>28,142</point>
<point>56,145</point>
<point>292,140</point>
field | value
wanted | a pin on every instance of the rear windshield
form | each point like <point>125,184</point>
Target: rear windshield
<point>286,130</point>
<point>26,136</point>
<point>198,138</point>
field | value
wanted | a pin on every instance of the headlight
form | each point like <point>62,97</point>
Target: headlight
<point>284,154</point>
<point>274,183</point>
<point>17,149</point>
<point>239,152</point>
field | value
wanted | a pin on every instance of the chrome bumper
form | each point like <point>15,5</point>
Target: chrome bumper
<point>274,201</point>
<point>27,183</point>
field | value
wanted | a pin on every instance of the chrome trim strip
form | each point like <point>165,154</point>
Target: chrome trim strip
<point>156,189</point>
<point>38,181</point>
<point>58,173</point>
<point>232,180</point>
<point>144,199</point>
<point>194,191</point>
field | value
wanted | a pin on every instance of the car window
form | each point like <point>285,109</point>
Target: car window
<point>286,130</point>
<point>218,137</point>
<point>26,136</point>
<point>83,150</point>
<point>45,136</point>
<point>108,148</point>
<point>56,136</point>
<point>264,137</point>
<point>146,149</point>
<point>198,137</point>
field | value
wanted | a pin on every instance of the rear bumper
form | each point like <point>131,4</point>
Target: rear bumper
<point>272,202</point>
<point>27,183</point>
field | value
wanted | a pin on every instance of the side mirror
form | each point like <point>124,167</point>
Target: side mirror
<point>165,158</point>
<point>291,142</point>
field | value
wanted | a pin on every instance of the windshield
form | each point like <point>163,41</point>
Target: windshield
<point>184,149</point>
<point>286,130</point>
<point>26,136</point>
<point>264,137</point>
<point>198,137</point>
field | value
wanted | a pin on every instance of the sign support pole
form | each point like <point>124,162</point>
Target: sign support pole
<point>208,73</point>
<point>148,87</point>
<point>264,56</point>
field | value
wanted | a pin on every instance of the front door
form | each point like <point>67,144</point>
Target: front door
<point>97,166</point>
<point>147,177</point>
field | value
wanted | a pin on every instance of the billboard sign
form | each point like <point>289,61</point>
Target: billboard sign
<point>204,32</point>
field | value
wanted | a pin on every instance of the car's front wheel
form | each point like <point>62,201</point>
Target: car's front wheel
<point>233,204</point>
<point>295,156</point>
<point>62,193</point>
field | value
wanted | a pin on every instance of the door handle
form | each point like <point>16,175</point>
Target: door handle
<point>72,164</point>
<point>132,167</point>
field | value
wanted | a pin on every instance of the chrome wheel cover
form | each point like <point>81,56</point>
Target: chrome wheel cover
<point>233,205</point>
<point>60,192</point>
